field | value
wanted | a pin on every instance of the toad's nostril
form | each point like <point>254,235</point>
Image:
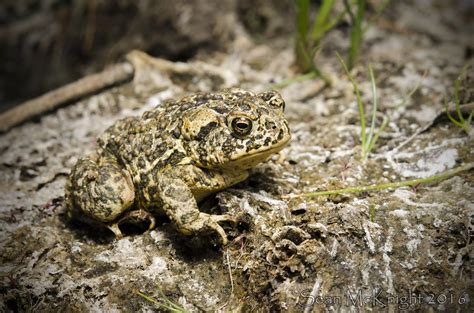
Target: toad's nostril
<point>269,125</point>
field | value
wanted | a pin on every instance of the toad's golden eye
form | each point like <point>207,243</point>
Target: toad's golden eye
<point>241,126</point>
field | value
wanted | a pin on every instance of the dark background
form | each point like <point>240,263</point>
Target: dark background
<point>46,44</point>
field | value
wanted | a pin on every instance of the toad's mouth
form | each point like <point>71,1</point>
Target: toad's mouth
<point>259,155</point>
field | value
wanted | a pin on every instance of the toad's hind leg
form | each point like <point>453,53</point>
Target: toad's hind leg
<point>100,189</point>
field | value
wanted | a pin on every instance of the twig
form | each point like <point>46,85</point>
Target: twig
<point>91,84</point>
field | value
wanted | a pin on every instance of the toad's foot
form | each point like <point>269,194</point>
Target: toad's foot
<point>132,217</point>
<point>116,230</point>
<point>205,223</point>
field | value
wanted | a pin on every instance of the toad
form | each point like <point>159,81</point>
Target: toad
<point>174,156</point>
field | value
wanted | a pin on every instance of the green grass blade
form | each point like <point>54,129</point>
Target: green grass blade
<point>359,102</point>
<point>404,183</point>
<point>334,22</point>
<point>321,20</point>
<point>306,57</point>
<point>462,123</point>
<point>170,306</point>
<point>302,17</point>
<point>469,119</point>
<point>356,34</point>
<point>163,303</point>
<point>302,43</point>
<point>377,134</point>
<point>451,118</point>
<point>374,109</point>
<point>170,303</point>
<point>457,86</point>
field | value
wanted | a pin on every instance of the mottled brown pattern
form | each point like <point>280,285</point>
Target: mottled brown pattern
<point>174,156</point>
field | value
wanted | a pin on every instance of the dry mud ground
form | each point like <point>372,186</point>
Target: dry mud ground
<point>409,248</point>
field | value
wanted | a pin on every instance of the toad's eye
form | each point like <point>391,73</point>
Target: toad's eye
<point>241,126</point>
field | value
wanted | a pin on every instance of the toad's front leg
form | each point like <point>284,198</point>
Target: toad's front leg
<point>181,207</point>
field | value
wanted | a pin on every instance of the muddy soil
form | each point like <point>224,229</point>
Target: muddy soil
<point>409,248</point>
